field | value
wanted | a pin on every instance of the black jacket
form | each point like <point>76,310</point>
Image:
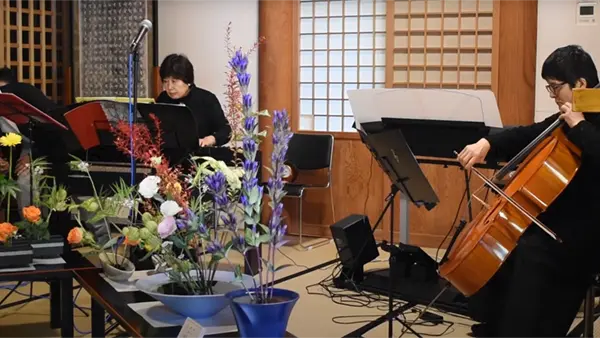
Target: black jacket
<point>574,216</point>
<point>207,111</point>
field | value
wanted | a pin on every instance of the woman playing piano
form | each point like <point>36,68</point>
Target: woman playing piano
<point>539,289</point>
<point>177,75</point>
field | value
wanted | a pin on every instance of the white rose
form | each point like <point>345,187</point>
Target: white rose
<point>149,186</point>
<point>170,208</point>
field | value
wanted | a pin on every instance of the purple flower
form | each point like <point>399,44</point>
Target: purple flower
<point>276,216</point>
<point>250,123</point>
<point>239,243</point>
<point>249,184</point>
<point>216,181</point>
<point>244,79</point>
<point>217,187</point>
<point>247,100</point>
<point>181,224</point>
<point>229,220</point>
<point>214,247</point>
<point>249,145</point>
<point>239,62</point>
<point>244,201</point>
<point>250,166</point>
<point>202,229</point>
<point>190,214</point>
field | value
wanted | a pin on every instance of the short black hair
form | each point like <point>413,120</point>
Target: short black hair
<point>7,75</point>
<point>569,64</point>
<point>177,66</point>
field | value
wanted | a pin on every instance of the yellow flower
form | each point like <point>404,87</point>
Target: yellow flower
<point>10,140</point>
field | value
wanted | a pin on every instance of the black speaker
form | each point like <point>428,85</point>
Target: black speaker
<point>355,243</point>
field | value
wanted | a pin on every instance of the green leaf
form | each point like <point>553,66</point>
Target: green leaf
<point>237,271</point>
<point>264,238</point>
<point>110,243</point>
<point>264,228</point>
<point>254,195</point>
<point>177,242</point>
<point>249,237</point>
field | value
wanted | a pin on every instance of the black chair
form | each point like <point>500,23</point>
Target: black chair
<point>308,152</point>
<point>585,328</point>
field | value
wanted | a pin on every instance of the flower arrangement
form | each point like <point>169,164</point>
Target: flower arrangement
<point>100,208</point>
<point>46,197</point>
<point>185,217</point>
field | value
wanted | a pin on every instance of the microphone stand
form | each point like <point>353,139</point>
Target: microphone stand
<point>134,67</point>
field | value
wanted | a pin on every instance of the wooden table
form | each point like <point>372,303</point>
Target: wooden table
<point>106,298</point>
<point>60,277</point>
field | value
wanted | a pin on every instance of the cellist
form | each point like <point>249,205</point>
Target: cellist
<point>539,289</point>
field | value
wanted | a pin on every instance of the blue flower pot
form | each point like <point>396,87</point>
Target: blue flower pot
<point>262,320</point>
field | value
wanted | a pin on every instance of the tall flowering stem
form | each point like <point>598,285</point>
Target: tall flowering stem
<point>256,233</point>
<point>277,229</point>
<point>232,106</point>
<point>251,196</point>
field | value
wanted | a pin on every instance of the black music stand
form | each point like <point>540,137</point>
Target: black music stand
<point>443,139</point>
<point>390,149</point>
<point>21,112</point>
<point>178,126</point>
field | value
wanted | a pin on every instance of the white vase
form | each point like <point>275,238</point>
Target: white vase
<point>195,306</point>
<point>112,272</point>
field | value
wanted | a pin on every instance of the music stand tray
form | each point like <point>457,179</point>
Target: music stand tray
<point>21,112</point>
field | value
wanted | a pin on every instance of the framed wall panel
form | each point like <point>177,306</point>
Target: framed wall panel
<point>443,44</point>
<point>103,31</point>
<point>35,43</point>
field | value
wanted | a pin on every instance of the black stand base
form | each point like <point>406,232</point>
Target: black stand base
<point>390,316</point>
<point>357,276</point>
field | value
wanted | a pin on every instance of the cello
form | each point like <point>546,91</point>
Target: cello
<point>547,166</point>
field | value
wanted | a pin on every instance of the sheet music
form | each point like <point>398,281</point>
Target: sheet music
<point>371,105</point>
<point>116,111</point>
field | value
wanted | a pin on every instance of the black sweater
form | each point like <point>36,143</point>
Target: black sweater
<point>207,111</point>
<point>574,215</point>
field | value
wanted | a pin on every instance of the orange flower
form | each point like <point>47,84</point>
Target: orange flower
<point>32,214</point>
<point>130,242</point>
<point>75,236</point>
<point>7,230</point>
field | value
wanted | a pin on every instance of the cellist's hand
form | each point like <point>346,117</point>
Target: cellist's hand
<point>474,153</point>
<point>568,115</point>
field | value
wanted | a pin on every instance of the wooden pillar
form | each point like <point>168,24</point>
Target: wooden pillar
<point>514,60</point>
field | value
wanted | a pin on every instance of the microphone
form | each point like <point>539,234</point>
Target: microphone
<point>145,26</point>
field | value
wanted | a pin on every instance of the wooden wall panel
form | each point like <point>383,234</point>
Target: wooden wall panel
<point>359,185</point>
<point>35,43</point>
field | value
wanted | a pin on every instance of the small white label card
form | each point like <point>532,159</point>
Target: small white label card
<point>191,329</point>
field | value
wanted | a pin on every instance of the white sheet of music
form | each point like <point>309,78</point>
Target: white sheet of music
<point>371,105</point>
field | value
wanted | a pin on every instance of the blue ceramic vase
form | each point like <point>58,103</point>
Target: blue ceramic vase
<point>262,320</point>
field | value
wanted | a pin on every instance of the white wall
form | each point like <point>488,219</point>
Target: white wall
<point>197,28</point>
<point>557,26</point>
